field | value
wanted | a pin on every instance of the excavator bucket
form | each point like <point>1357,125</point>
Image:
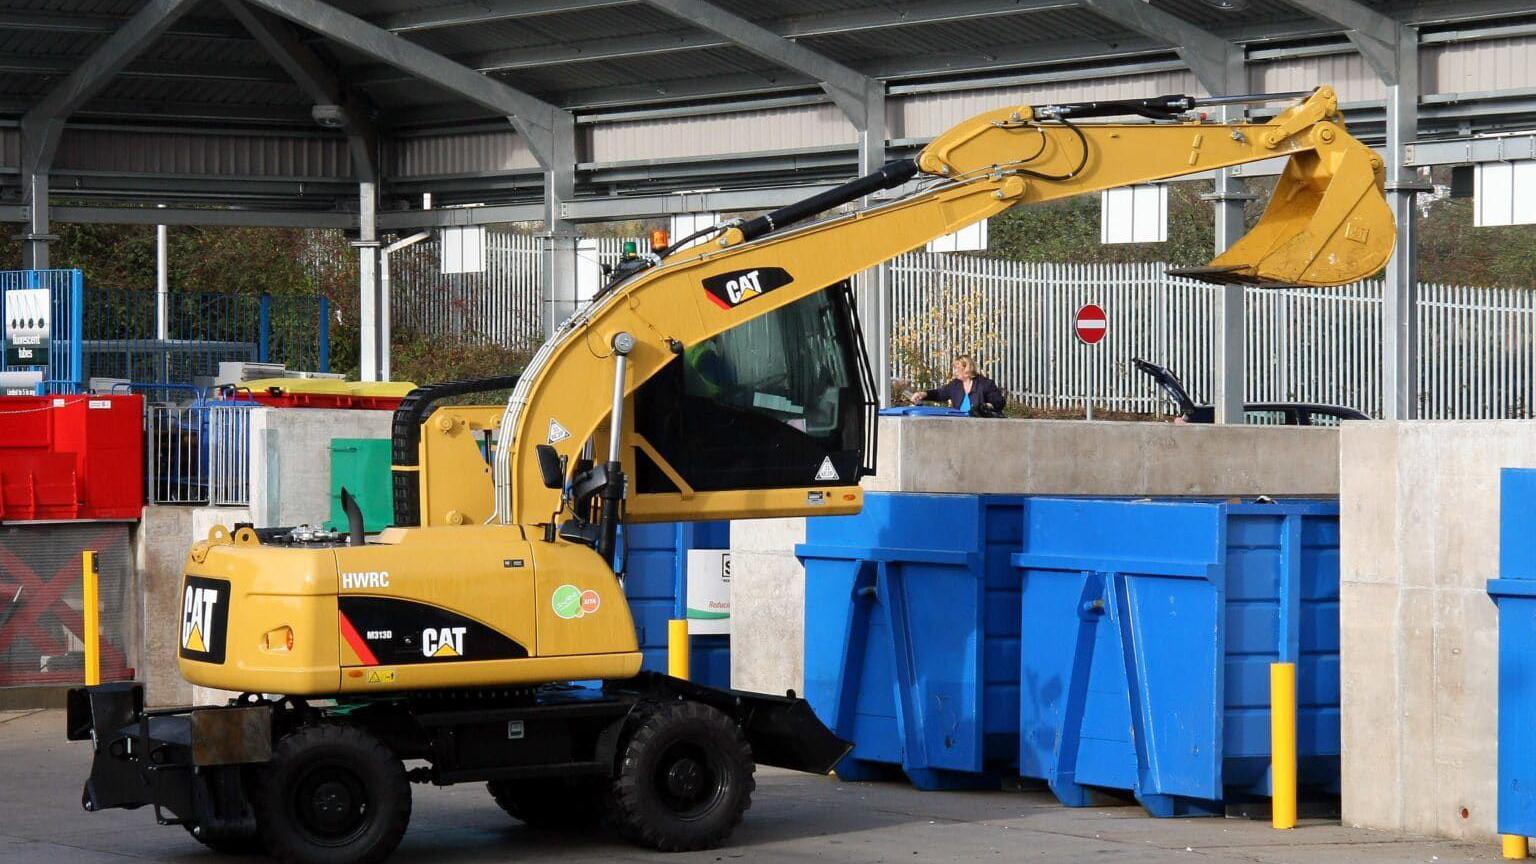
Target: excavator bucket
<point>1326,224</point>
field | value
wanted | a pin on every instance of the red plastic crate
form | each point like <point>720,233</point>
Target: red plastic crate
<point>71,457</point>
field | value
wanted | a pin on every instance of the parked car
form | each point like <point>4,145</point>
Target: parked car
<point>1262,413</point>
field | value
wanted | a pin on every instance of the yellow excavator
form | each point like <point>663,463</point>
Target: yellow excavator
<point>720,378</point>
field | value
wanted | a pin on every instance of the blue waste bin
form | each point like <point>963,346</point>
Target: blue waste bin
<point>1515,594</point>
<point>912,636</point>
<point>655,585</point>
<point>1152,625</point>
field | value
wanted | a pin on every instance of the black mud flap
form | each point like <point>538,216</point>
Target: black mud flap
<point>783,730</point>
<point>147,758</point>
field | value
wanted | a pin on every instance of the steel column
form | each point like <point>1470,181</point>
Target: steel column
<point>372,350</point>
<point>35,237</point>
<point>558,242</point>
<point>1399,310</point>
<point>1229,195</point>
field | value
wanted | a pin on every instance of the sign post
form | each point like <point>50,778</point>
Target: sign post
<point>1090,325</point>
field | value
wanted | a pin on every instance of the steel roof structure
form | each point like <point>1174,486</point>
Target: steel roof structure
<point>343,113</point>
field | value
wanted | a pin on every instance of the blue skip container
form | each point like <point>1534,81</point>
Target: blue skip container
<point>655,585</point>
<point>1151,628</point>
<point>912,636</point>
<point>1515,594</point>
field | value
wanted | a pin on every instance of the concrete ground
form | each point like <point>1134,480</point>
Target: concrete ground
<point>794,818</point>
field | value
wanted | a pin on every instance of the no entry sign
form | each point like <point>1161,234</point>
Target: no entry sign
<point>1090,325</point>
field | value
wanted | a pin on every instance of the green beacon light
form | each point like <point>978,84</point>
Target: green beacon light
<point>630,249</point>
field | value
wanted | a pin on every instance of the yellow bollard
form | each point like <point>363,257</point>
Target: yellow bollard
<point>92,611</point>
<point>1516,848</point>
<point>677,648</point>
<point>1282,744</point>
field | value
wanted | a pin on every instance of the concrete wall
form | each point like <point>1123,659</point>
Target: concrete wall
<point>160,550</point>
<point>1419,640</point>
<point>1048,457</point>
<point>1074,457</point>
<point>290,464</point>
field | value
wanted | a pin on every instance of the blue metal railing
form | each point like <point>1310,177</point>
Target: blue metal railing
<point>203,330</point>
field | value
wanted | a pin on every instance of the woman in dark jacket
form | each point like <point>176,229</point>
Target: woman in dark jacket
<point>969,389</point>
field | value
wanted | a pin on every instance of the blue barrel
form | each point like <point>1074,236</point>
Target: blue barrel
<point>655,585</point>
<point>1152,625</point>
<point>912,636</point>
<point>1515,594</point>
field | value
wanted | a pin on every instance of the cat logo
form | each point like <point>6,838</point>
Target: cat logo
<point>443,641</point>
<point>204,613</point>
<point>731,289</point>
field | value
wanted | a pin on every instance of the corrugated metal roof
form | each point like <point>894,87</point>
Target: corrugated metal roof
<point>206,64</point>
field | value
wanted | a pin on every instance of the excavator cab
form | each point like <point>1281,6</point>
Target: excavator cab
<point>780,401</point>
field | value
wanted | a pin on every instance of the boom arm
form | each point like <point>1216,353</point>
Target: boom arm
<point>1327,223</point>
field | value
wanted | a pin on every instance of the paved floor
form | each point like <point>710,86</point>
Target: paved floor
<point>794,818</point>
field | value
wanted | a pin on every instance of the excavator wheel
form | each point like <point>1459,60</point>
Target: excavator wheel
<point>684,778</point>
<point>565,803</point>
<point>332,795</point>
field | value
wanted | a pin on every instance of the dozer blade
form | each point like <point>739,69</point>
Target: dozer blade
<point>1326,224</point>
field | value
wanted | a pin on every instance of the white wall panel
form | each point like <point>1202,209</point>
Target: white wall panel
<point>221,155</point>
<point>794,128</point>
<point>471,153</point>
<point>1351,78</point>
<point>1471,67</point>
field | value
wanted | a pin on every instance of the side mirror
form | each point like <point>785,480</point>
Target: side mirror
<point>550,467</point>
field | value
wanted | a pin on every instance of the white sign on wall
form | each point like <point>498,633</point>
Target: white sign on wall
<point>1134,214</point>
<point>1504,193</point>
<point>684,224</point>
<point>463,249</point>
<point>28,326</point>
<point>971,238</point>
<point>589,270</point>
<point>709,592</point>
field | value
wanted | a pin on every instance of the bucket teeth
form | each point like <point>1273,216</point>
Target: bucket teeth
<point>1232,275</point>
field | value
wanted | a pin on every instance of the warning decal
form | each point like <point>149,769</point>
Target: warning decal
<point>827,472</point>
<point>557,433</point>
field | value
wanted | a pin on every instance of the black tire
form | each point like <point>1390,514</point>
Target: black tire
<point>550,803</point>
<point>684,778</point>
<point>332,795</point>
<point>226,842</point>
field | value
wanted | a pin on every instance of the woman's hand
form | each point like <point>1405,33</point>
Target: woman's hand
<point>916,396</point>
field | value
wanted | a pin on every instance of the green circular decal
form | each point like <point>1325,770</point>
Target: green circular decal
<point>566,601</point>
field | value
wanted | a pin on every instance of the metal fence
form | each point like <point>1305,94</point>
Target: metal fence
<point>198,453</point>
<point>202,330</point>
<point>1477,346</point>
<point>501,305</point>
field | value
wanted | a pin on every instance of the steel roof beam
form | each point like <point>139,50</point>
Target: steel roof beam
<point>278,38</point>
<point>537,121</point>
<point>795,27</point>
<point>1215,61</point>
<point>32,64</point>
<point>1377,36</point>
<point>57,22</point>
<point>44,123</point>
<point>849,88</point>
<point>485,12</point>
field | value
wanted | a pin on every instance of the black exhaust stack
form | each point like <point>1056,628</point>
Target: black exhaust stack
<point>354,518</point>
